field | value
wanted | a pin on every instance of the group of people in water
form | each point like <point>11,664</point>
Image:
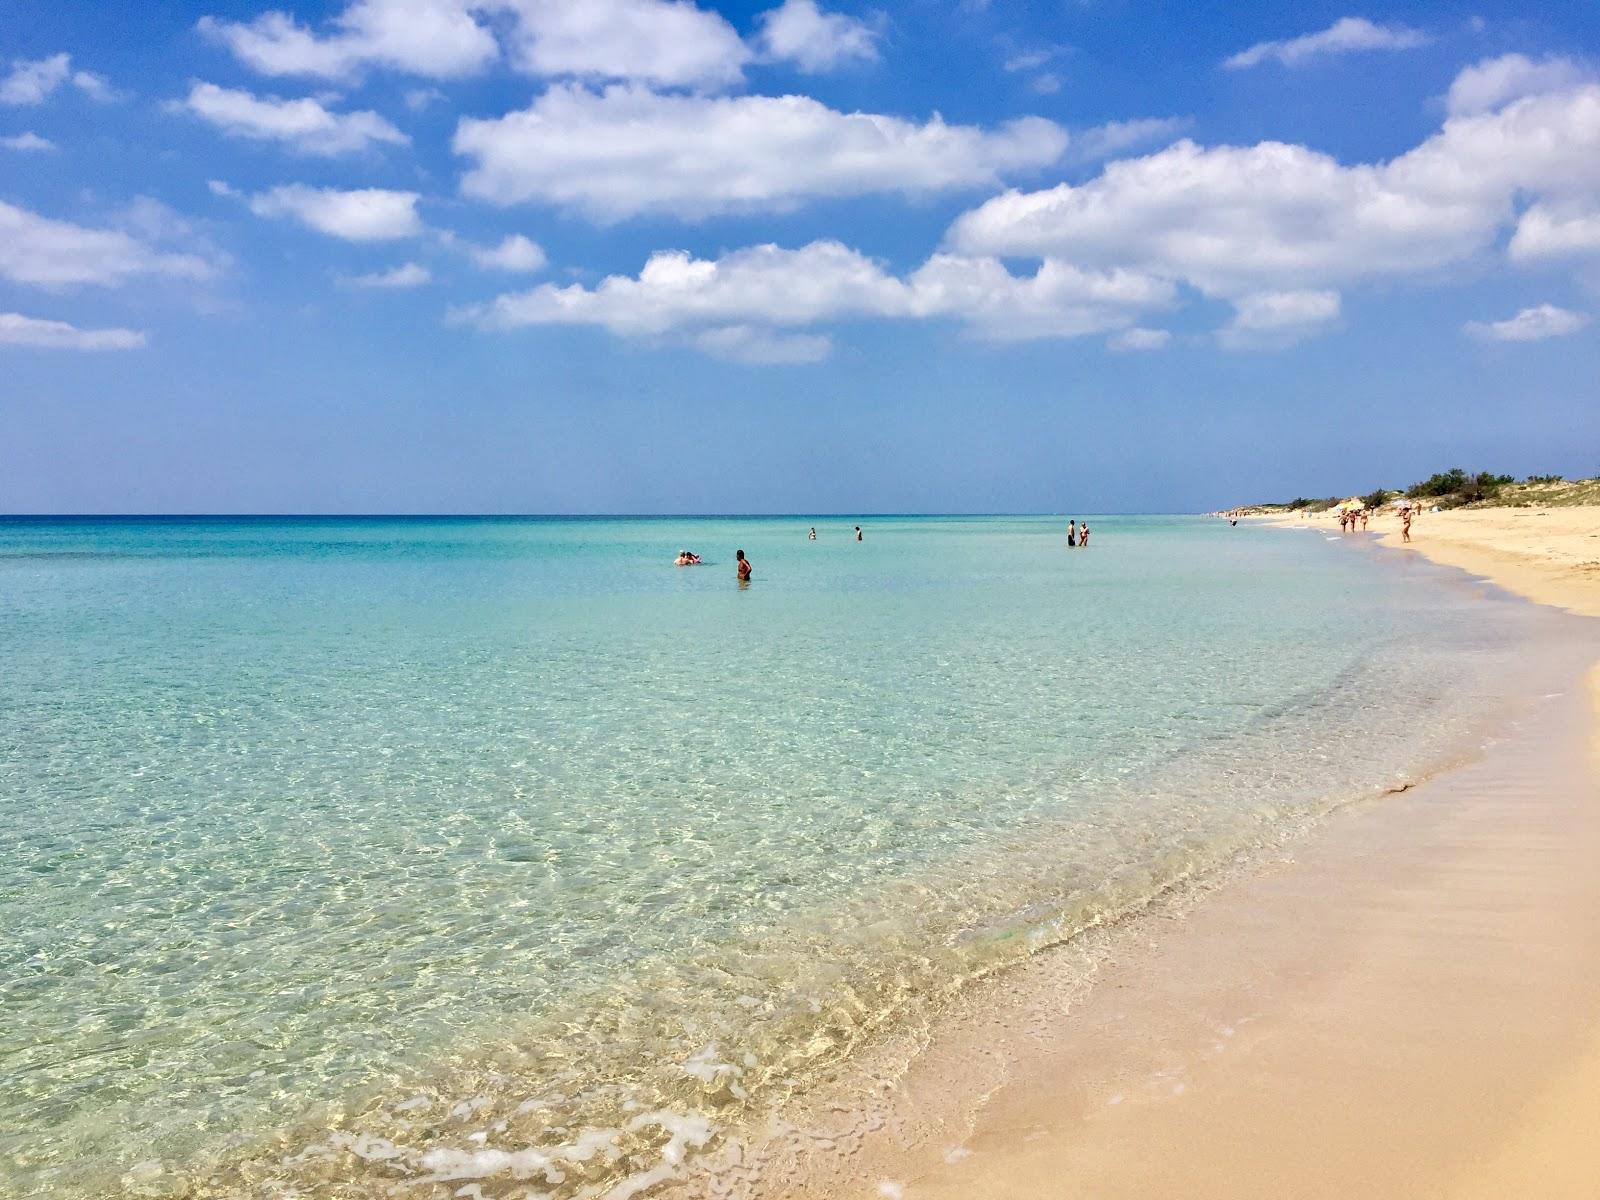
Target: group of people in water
<point>1077,535</point>
<point>741,565</point>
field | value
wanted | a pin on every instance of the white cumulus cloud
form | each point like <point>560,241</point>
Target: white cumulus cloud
<point>1494,82</point>
<point>814,40</point>
<point>49,253</point>
<point>666,42</point>
<point>1544,233</point>
<point>360,215</point>
<point>18,330</point>
<point>767,291</point>
<point>303,125</point>
<point>1274,218</point>
<point>616,153</point>
<point>435,38</point>
<point>1530,325</point>
<point>671,43</point>
<point>1342,37</point>
<point>1277,217</point>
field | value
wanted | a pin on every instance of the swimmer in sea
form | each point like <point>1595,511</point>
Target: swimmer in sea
<point>1083,535</point>
<point>813,534</point>
<point>684,559</point>
<point>858,533</point>
<point>741,566</point>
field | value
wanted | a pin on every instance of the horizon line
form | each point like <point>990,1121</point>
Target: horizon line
<point>562,516</point>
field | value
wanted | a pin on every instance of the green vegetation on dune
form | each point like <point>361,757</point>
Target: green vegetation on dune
<point>1457,488</point>
<point>1549,491</point>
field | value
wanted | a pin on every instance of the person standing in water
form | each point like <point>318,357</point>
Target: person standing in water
<point>1072,532</point>
<point>1083,535</point>
<point>812,536</point>
<point>741,566</point>
<point>858,533</point>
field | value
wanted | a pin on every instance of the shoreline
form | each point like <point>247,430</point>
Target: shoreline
<point>1550,556</point>
<point>1408,1004</point>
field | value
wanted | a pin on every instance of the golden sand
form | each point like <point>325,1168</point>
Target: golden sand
<point>1410,1007</point>
<point>1549,555</point>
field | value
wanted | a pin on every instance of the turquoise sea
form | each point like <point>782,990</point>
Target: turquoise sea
<point>369,856</point>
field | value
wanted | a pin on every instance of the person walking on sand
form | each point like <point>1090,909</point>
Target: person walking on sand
<point>1405,524</point>
<point>1072,532</point>
<point>1364,515</point>
<point>741,566</point>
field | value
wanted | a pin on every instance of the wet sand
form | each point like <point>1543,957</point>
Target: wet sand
<point>1406,1004</point>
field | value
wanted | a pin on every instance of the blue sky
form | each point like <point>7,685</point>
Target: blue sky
<point>648,256</point>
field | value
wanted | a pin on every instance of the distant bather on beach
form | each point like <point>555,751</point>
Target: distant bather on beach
<point>858,533</point>
<point>741,566</point>
<point>1083,535</point>
<point>1072,532</point>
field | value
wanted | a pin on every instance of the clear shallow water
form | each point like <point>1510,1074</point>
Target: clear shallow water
<point>348,853</point>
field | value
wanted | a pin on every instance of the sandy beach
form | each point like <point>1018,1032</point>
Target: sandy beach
<point>1549,555</point>
<point>1405,1004</point>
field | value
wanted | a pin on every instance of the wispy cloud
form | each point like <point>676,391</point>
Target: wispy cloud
<point>48,253</point>
<point>1530,325</point>
<point>1344,36</point>
<point>18,330</point>
<point>514,253</point>
<point>27,142</point>
<point>32,81</point>
<point>1139,339</point>
<point>303,125</point>
<point>406,275</point>
<point>1263,320</point>
<point>1114,137</point>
